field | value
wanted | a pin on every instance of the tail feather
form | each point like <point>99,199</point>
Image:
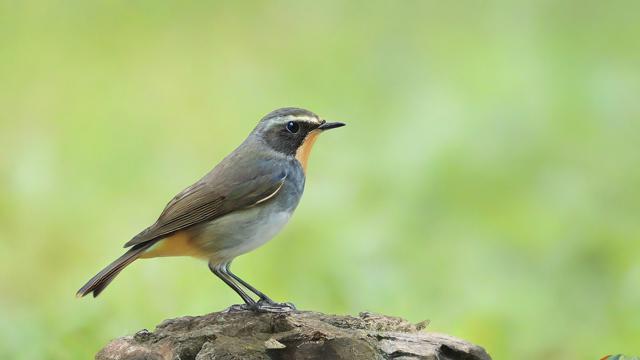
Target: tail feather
<point>100,281</point>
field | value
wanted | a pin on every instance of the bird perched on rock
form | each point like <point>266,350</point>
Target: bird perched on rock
<point>238,206</point>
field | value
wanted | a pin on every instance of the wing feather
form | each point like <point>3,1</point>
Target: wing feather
<point>209,199</point>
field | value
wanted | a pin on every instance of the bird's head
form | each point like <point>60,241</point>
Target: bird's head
<point>293,131</point>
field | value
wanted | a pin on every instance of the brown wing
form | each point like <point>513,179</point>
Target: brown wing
<point>209,199</point>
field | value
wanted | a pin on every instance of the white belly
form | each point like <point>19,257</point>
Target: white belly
<point>238,233</point>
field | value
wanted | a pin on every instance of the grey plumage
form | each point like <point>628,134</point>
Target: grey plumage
<point>220,192</point>
<point>240,204</point>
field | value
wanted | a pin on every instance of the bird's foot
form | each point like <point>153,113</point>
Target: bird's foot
<point>269,305</point>
<point>240,307</point>
<point>264,306</point>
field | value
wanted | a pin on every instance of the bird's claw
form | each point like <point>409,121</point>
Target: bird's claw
<point>271,306</point>
<point>264,306</point>
<point>239,308</point>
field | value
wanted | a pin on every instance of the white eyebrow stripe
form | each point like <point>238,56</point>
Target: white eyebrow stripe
<point>307,119</point>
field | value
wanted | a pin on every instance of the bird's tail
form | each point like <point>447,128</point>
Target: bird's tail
<point>97,283</point>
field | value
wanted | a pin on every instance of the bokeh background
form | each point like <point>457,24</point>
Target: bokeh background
<point>488,179</point>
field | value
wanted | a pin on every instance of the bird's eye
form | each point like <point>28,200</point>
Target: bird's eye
<point>293,127</point>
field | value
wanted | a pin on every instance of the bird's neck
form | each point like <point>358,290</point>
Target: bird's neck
<point>303,152</point>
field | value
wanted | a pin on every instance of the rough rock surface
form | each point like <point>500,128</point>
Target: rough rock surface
<point>241,334</point>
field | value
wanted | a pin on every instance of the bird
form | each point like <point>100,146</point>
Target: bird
<point>239,205</point>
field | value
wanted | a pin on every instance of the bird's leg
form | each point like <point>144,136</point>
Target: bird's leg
<point>227,270</point>
<point>265,303</point>
<point>218,271</point>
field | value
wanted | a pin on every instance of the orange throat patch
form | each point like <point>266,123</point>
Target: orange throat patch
<point>305,149</point>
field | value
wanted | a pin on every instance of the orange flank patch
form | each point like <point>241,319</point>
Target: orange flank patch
<point>178,244</point>
<point>305,149</point>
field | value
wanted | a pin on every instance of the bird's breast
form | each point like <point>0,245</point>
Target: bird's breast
<point>240,232</point>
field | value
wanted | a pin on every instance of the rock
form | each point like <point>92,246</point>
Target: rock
<point>241,334</point>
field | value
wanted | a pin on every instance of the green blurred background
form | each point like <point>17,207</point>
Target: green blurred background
<point>488,179</point>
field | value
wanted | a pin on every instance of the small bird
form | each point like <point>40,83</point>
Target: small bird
<point>238,206</point>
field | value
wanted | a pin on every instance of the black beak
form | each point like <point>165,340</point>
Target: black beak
<point>331,125</point>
